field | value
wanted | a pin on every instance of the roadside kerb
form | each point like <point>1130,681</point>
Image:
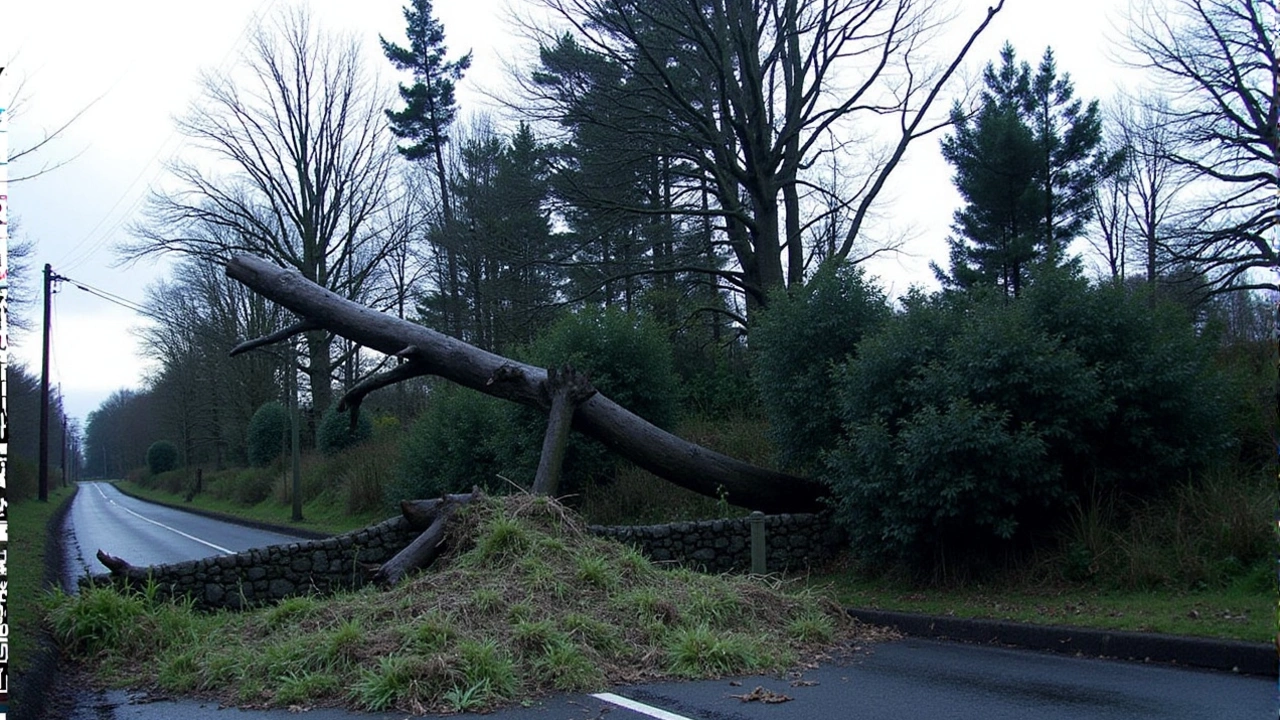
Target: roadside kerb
<point>1216,654</point>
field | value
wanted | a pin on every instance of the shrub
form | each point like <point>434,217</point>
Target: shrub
<point>162,457</point>
<point>970,423</point>
<point>796,342</point>
<point>627,358</point>
<point>453,445</point>
<point>336,434</point>
<point>267,430</point>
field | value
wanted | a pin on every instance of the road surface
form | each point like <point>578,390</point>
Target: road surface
<point>906,679</point>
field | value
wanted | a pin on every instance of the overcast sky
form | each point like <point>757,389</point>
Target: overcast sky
<point>133,64</point>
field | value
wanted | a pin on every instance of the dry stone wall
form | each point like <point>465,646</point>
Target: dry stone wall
<point>792,542</point>
<point>270,574</point>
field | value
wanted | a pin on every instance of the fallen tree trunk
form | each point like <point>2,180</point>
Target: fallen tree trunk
<point>431,353</point>
<point>423,550</point>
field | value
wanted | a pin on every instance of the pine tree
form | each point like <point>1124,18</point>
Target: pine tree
<point>1026,163</point>
<point>429,110</point>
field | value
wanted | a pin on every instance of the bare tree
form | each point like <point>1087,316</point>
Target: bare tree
<point>741,98</point>
<point>36,150</point>
<point>295,163</point>
<point>1137,209</point>
<point>1216,62</point>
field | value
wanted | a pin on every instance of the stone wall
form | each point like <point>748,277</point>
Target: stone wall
<point>265,575</point>
<point>792,542</point>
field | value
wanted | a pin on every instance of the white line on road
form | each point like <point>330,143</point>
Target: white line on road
<point>639,707</point>
<point>219,548</point>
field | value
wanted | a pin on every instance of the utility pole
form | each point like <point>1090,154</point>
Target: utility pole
<point>64,451</point>
<point>44,389</point>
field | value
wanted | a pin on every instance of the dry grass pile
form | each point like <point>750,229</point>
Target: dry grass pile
<point>524,602</point>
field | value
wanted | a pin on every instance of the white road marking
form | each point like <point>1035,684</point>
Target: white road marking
<point>639,707</point>
<point>219,548</point>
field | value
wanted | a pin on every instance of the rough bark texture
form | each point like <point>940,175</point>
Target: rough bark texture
<point>423,550</point>
<point>692,466</point>
<point>567,390</point>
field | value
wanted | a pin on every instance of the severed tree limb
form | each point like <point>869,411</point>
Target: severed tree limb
<point>351,401</point>
<point>423,550</point>
<point>117,566</point>
<point>284,334</point>
<point>658,451</point>
<point>421,513</point>
<point>566,389</point>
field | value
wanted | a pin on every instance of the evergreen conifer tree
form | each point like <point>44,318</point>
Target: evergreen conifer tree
<point>1026,163</point>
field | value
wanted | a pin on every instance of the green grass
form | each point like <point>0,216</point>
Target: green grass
<point>28,522</point>
<point>469,634</point>
<point>321,515</point>
<point>1239,612</point>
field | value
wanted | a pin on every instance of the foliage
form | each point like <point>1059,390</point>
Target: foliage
<point>796,342</point>
<point>268,428</point>
<point>162,457</point>
<point>429,101</point>
<point>1026,164</point>
<point>336,434</point>
<point>970,422</point>
<point>453,445</point>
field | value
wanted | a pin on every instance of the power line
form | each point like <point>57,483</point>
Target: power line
<point>182,324</point>
<point>84,249</point>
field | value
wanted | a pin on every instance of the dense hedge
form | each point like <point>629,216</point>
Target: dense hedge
<point>162,457</point>
<point>796,342</point>
<point>967,423</point>
<point>336,434</point>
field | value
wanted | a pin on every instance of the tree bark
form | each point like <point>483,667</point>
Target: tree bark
<point>423,550</point>
<point>686,464</point>
<point>567,390</point>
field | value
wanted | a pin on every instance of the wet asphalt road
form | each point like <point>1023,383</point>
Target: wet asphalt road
<point>103,518</point>
<point>905,679</point>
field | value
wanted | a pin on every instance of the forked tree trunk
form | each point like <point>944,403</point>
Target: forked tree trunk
<point>431,353</point>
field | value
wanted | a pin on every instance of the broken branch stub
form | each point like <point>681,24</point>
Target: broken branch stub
<point>689,465</point>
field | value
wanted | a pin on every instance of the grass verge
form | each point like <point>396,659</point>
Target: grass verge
<point>25,564</point>
<point>524,602</point>
<point>1238,612</point>
<point>319,515</point>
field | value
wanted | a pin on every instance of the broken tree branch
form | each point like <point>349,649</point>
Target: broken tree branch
<point>426,547</point>
<point>283,334</point>
<point>566,390</point>
<point>351,401</point>
<point>658,451</point>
